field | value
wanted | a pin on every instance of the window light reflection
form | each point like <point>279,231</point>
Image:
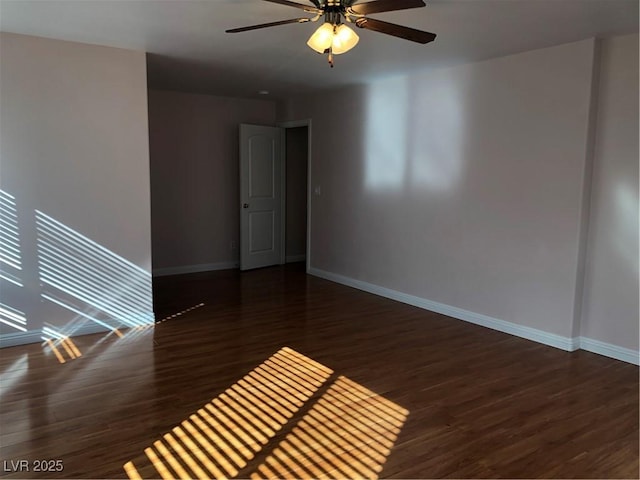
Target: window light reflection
<point>13,374</point>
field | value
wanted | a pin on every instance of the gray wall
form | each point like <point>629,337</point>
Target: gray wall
<point>464,187</point>
<point>194,177</point>
<point>610,311</point>
<point>296,195</point>
<point>74,146</point>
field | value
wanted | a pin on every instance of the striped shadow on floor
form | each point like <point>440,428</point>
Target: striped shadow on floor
<point>346,433</point>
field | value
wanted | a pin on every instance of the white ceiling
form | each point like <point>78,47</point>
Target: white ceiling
<point>190,51</point>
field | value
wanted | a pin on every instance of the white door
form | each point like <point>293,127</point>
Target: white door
<point>261,199</point>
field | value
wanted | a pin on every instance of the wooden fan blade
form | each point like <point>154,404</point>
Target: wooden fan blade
<point>378,6</point>
<point>396,30</point>
<point>265,25</point>
<point>308,8</point>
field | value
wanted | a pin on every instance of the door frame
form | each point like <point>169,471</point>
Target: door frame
<point>285,125</point>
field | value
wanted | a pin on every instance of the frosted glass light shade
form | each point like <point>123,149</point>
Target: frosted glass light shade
<point>322,38</point>
<point>344,39</point>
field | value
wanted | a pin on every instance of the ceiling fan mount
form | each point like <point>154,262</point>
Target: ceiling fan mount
<point>334,36</point>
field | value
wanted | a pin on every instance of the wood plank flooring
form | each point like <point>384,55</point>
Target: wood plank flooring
<point>273,373</point>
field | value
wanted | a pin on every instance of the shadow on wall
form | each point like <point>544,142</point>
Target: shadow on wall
<point>93,285</point>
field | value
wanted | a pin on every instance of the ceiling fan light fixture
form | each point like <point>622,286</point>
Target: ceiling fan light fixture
<point>322,38</point>
<point>344,39</point>
<point>335,37</point>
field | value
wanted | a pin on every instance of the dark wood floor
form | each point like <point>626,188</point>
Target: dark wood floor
<point>275,373</point>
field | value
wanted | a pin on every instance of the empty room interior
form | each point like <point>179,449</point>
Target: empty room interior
<point>319,239</point>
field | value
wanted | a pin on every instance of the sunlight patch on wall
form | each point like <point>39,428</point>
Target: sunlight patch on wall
<point>414,134</point>
<point>386,134</point>
<point>75,273</point>
<point>68,304</point>
<point>10,257</point>
<point>347,433</point>
<point>437,139</point>
<point>80,275</point>
<point>626,225</point>
<point>13,318</point>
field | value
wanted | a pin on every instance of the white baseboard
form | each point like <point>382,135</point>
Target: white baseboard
<point>35,336</point>
<point>295,258</point>
<point>564,343</point>
<point>202,267</point>
<point>20,338</point>
<point>540,336</point>
<point>610,350</point>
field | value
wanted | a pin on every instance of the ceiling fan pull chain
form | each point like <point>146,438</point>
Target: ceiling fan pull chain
<point>330,57</point>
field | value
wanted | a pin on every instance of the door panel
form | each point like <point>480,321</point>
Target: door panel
<point>261,232</point>
<point>261,169</point>
<point>261,161</point>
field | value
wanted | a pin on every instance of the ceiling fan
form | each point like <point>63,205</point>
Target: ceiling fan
<point>334,37</point>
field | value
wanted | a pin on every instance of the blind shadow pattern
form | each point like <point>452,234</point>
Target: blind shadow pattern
<point>91,281</point>
<point>222,437</point>
<point>347,433</point>
<point>10,257</point>
<point>64,349</point>
<point>13,317</point>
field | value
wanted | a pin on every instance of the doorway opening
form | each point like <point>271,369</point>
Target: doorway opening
<point>296,192</point>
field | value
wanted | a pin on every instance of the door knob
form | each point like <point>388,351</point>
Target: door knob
<point>245,205</point>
